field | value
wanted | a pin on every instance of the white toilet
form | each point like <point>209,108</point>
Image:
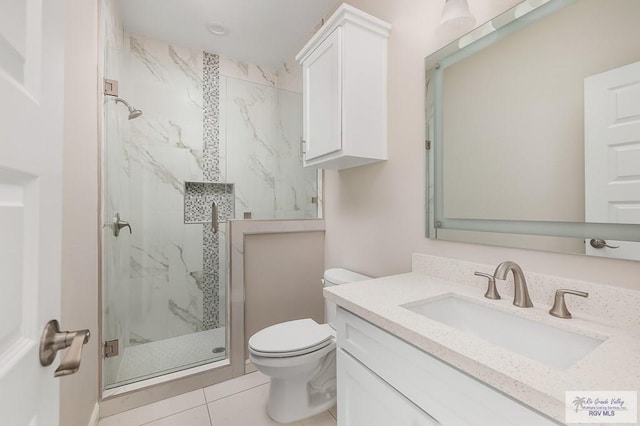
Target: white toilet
<point>300,358</point>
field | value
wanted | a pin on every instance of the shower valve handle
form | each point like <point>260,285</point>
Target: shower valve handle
<point>118,224</point>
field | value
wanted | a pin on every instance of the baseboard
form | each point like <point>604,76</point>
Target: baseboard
<point>95,415</point>
<point>249,367</point>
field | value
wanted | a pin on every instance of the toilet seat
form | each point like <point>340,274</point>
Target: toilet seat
<point>291,338</point>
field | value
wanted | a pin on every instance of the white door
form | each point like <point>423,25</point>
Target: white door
<point>31,101</point>
<point>612,154</point>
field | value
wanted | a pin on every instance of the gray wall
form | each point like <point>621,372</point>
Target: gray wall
<point>282,278</point>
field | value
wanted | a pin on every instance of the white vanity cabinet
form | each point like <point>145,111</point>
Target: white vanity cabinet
<point>344,70</point>
<point>383,380</point>
<point>366,399</point>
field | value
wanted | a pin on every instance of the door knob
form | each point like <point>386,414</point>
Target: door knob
<point>53,340</point>
<point>118,224</point>
<point>596,243</point>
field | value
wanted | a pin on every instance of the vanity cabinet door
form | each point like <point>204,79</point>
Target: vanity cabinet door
<point>446,393</point>
<point>365,399</point>
<point>344,91</point>
<point>322,98</point>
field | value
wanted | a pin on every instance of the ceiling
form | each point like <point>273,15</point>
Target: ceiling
<point>263,32</point>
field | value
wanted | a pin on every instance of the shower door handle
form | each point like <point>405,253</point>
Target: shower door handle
<point>53,340</point>
<point>214,216</point>
<point>118,224</point>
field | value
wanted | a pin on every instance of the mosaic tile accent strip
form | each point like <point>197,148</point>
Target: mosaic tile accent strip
<point>211,110</point>
<point>211,288</point>
<point>199,197</point>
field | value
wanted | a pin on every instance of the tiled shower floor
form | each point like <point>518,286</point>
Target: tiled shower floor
<point>238,402</point>
<point>148,360</point>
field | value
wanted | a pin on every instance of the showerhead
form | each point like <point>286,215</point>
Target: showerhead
<point>133,113</point>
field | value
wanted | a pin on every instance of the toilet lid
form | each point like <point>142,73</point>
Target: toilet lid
<point>291,338</point>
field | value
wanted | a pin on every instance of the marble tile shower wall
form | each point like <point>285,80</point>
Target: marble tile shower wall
<point>163,150</point>
<point>261,127</point>
<point>163,290</point>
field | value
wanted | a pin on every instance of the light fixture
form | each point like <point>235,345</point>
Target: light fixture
<point>216,29</point>
<point>456,16</point>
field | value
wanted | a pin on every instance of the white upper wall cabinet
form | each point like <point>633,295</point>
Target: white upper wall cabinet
<point>344,68</point>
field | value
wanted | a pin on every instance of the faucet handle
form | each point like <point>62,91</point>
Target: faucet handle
<point>559,308</point>
<point>492,291</point>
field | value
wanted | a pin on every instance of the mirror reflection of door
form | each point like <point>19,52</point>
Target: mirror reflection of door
<point>612,155</point>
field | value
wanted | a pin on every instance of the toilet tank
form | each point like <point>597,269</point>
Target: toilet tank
<point>337,276</point>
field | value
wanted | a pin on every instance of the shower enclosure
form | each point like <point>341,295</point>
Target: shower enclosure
<point>191,141</point>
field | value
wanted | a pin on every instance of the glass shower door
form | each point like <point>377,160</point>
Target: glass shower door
<point>165,284</point>
<point>164,277</point>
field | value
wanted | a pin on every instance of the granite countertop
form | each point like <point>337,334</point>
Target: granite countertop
<point>613,365</point>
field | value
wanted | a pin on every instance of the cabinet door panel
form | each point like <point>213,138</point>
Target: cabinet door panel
<point>444,392</point>
<point>365,399</point>
<point>322,98</point>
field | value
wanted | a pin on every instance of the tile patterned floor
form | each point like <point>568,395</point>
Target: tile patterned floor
<point>167,355</point>
<point>238,402</point>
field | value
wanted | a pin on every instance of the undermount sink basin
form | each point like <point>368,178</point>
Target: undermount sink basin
<point>552,346</point>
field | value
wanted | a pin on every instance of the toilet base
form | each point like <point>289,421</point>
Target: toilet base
<point>301,391</point>
<point>290,401</point>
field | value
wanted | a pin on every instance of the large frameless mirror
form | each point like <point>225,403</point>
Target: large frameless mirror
<point>534,119</point>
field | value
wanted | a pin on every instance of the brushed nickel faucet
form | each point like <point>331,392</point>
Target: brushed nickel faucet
<point>521,294</point>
